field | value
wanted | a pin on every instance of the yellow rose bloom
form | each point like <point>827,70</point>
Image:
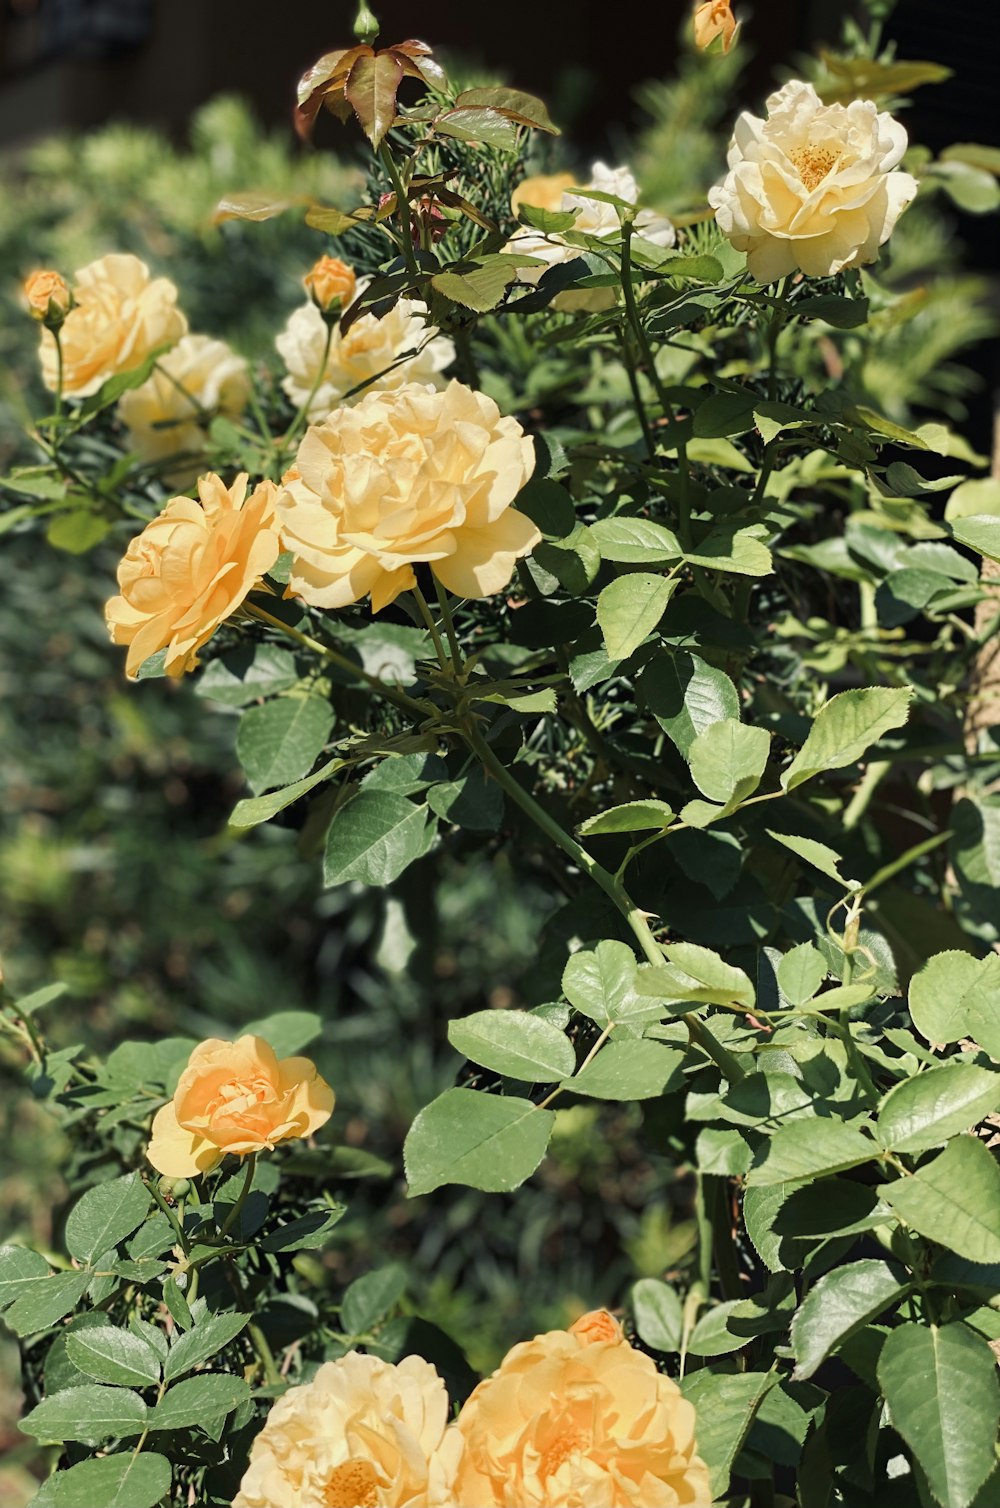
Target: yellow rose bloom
<point>577,1418</point>
<point>189,570</point>
<point>362,1434</point>
<point>543,191</point>
<point>330,283</point>
<point>169,413</point>
<point>813,187</point>
<point>120,316</point>
<point>47,294</point>
<point>714,19</point>
<point>236,1097</point>
<point>407,476</point>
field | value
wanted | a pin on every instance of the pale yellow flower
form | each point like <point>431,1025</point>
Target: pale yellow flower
<point>362,1434</point>
<point>813,187</point>
<point>402,477</point>
<point>595,217</point>
<point>579,1419</point>
<point>365,355</point>
<point>330,283</point>
<point>236,1097</point>
<point>543,191</point>
<point>120,317</point>
<point>714,19</point>
<point>47,295</point>
<point>169,414</point>
<point>189,570</point>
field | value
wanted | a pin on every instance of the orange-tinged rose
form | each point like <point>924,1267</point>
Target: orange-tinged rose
<point>190,569</point>
<point>543,191</point>
<point>577,1418</point>
<point>120,317</point>
<point>714,19</point>
<point>48,295</point>
<point>236,1097</point>
<point>330,283</point>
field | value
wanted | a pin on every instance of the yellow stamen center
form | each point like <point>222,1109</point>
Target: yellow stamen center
<point>562,1447</point>
<point>353,1485</point>
<point>813,163</point>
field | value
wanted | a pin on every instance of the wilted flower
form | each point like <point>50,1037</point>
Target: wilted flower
<point>169,413</point>
<point>362,1434</point>
<point>330,283</point>
<point>190,569</point>
<point>407,476</point>
<point>595,217</point>
<point>236,1097</point>
<point>47,295</point>
<point>120,317</point>
<point>577,1418</point>
<point>815,187</point>
<point>369,353</point>
<point>714,19</point>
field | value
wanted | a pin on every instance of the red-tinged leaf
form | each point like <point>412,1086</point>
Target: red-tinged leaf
<point>252,206</point>
<point>332,67</point>
<point>371,89</point>
<point>455,201</point>
<point>526,109</point>
<point>418,63</point>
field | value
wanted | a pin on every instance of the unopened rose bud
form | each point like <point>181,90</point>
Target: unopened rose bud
<point>714,19</point>
<point>330,284</point>
<point>48,297</point>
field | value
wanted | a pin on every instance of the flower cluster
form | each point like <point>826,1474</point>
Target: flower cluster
<point>571,1418</point>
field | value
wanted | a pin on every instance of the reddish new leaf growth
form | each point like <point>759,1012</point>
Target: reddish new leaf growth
<point>365,81</point>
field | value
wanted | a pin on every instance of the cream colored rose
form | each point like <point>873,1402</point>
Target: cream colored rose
<point>595,217</point>
<point>330,283</point>
<point>189,570</point>
<point>169,414</point>
<point>362,1434</point>
<point>364,355</point>
<point>236,1097</point>
<point>120,317</point>
<point>578,1419</point>
<point>407,476</point>
<point>815,187</point>
<point>47,295</point>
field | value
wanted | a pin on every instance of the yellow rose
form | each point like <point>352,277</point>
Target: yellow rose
<point>168,414</point>
<point>118,319</point>
<point>368,353</point>
<point>407,476</point>
<point>363,1433</point>
<point>47,294</point>
<point>714,19</point>
<point>578,1418</point>
<point>189,570</point>
<point>330,283</point>
<point>543,191</point>
<point>236,1097</point>
<point>815,187</point>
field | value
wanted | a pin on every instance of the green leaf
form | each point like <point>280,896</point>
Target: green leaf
<point>696,974</point>
<point>659,1314</point>
<point>954,996</point>
<point>204,1399</point>
<point>954,1200</point>
<point>800,973</point>
<point>486,1141</point>
<point>737,550</point>
<point>369,1298</point>
<point>728,760</point>
<point>821,857</point>
<point>808,1148</point>
<point>371,90</point>
<point>940,1383</point>
<point>253,810</point>
<point>109,1354</point>
<point>631,817</point>
<point>843,313</point>
<point>629,608</point>
<point>486,126</point>
<point>106,1215</point>
<point>125,1480</point>
<point>307,1233</point>
<point>514,1043</point>
<point>573,561</point>
<point>86,1413</point>
<point>927,1110</point>
<point>77,531</point>
<point>44,1301</point>
<point>725,1404</point>
<point>844,728</point>
<point>209,1336</point>
<point>627,1070</point>
<point>21,1270</point>
<point>38,1000</point>
<point>121,382</point>
<point>288,1032</point>
<point>724,414</point>
<point>374,837</point>
<point>480,288</point>
<point>248,673</point>
<point>279,742</point>
<point>601,983</point>
<point>520,106</point>
<point>548,505</point>
<point>635,541</point>
<point>722,1152</point>
<point>686,696</point>
<point>473,801</point>
<point>838,1305</point>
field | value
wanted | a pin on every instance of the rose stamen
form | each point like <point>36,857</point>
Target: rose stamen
<point>813,162</point>
<point>353,1484</point>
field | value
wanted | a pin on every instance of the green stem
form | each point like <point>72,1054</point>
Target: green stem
<point>609,883</point>
<point>778,317</point>
<point>237,1209</point>
<point>463,344</point>
<point>449,626</point>
<point>302,417</point>
<point>402,205</point>
<point>430,625</point>
<point>637,402</point>
<point>171,1216</point>
<point>861,800</point>
<point>632,310</point>
<point>57,411</point>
